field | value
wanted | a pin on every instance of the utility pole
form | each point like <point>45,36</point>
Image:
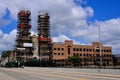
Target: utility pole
<point>100,46</point>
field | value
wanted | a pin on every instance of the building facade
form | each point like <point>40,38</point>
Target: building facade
<point>88,54</point>
<point>35,46</point>
<point>116,59</point>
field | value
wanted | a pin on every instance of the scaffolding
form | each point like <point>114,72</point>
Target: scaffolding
<point>23,51</point>
<point>44,39</point>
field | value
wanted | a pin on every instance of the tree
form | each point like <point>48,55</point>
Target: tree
<point>6,54</point>
<point>75,60</point>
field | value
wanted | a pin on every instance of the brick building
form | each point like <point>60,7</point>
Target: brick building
<point>88,54</point>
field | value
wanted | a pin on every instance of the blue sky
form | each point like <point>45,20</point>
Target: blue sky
<point>70,19</point>
<point>105,9</point>
<point>7,28</point>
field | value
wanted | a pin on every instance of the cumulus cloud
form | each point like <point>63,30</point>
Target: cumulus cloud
<point>7,40</point>
<point>60,38</point>
<point>66,18</point>
<point>109,33</point>
<point>62,12</point>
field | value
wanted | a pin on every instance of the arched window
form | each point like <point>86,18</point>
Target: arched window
<point>68,48</point>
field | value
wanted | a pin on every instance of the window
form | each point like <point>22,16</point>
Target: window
<point>62,64</point>
<point>77,54</point>
<point>104,55</point>
<point>87,50</point>
<point>84,54</point>
<point>77,49</point>
<point>90,55</point>
<point>87,55</point>
<point>62,53</point>
<point>54,48</point>
<point>54,53</point>
<point>109,50</point>
<point>73,49</point>
<point>97,49</point>
<point>104,50</point>
<point>62,49</point>
<point>98,55</point>
<point>58,53</point>
<point>90,50</point>
<point>80,49</point>
<point>68,50</point>
<point>58,48</point>
<point>80,54</point>
<point>74,54</point>
<point>84,49</point>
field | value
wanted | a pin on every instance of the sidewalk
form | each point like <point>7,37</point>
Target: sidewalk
<point>94,71</point>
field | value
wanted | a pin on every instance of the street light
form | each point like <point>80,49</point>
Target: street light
<point>99,42</point>
<point>100,45</point>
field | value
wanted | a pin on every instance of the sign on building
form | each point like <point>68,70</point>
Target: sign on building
<point>27,45</point>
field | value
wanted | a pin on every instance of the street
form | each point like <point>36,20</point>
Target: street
<point>39,73</point>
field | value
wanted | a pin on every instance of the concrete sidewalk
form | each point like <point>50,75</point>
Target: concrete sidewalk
<point>100,71</point>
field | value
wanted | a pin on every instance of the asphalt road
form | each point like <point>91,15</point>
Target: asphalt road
<point>29,73</point>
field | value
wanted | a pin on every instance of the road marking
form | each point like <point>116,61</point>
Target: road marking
<point>52,75</point>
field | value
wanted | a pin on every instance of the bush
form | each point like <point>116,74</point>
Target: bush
<point>14,64</point>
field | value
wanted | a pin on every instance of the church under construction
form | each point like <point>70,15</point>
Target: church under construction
<point>26,43</point>
<point>40,46</point>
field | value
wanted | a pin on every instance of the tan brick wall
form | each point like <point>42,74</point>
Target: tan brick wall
<point>60,51</point>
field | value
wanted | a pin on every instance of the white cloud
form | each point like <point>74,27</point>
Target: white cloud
<point>109,30</point>
<point>2,10</point>
<point>66,18</point>
<point>89,11</point>
<point>33,33</point>
<point>63,12</point>
<point>60,38</point>
<point>7,41</point>
<point>78,12</point>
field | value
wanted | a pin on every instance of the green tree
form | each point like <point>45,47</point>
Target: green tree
<point>5,54</point>
<point>75,60</point>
